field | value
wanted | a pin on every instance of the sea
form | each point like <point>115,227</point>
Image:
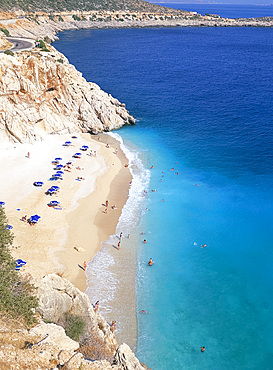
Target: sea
<point>201,155</point>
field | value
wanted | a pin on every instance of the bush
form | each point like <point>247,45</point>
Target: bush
<point>74,326</point>
<point>16,292</point>
<point>60,61</point>
<point>47,40</point>
<point>76,17</point>
<point>9,52</point>
<point>6,32</point>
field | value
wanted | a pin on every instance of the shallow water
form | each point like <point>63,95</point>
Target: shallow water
<point>203,98</point>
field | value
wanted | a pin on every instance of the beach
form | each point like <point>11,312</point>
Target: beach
<point>67,236</point>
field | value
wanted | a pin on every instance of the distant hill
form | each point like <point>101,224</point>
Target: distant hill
<point>82,5</point>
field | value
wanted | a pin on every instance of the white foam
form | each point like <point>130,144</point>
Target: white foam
<point>102,280</point>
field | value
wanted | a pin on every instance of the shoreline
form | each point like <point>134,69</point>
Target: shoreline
<point>49,246</point>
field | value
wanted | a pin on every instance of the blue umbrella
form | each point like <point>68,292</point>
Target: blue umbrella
<point>60,172</point>
<point>59,166</point>
<point>54,203</point>
<point>34,218</point>
<point>79,154</point>
<point>58,159</point>
<point>2,204</point>
<point>54,187</point>
<point>8,227</point>
<point>20,262</point>
<point>85,146</point>
<point>50,191</point>
<point>57,175</point>
<point>68,142</point>
<point>38,183</point>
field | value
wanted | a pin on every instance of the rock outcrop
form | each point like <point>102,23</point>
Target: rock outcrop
<point>41,93</point>
<point>58,297</point>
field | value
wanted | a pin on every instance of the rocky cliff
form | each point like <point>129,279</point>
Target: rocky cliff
<point>42,93</point>
<point>46,345</point>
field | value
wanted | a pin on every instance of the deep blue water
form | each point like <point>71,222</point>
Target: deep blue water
<point>226,10</point>
<point>203,98</point>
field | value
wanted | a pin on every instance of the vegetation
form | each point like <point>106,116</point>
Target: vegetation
<point>9,52</point>
<point>16,293</point>
<point>60,60</point>
<point>74,326</point>
<point>42,45</point>
<point>69,5</point>
<point>6,32</point>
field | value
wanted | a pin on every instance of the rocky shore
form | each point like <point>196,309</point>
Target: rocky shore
<point>48,25</point>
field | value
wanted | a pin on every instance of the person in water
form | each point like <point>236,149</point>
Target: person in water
<point>151,262</point>
<point>202,349</point>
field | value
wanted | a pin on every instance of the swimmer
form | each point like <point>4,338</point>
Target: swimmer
<point>152,167</point>
<point>151,262</point>
<point>176,173</point>
<point>172,169</point>
<point>196,185</point>
<point>162,200</point>
<point>144,241</point>
<point>203,245</point>
<point>144,311</point>
<point>202,349</point>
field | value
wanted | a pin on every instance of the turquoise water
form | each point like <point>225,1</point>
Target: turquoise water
<point>203,99</point>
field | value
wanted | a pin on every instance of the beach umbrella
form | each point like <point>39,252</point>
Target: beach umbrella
<point>68,142</point>
<point>54,203</point>
<point>59,166</point>
<point>2,204</point>
<point>38,183</point>
<point>58,159</point>
<point>35,218</point>
<point>54,187</point>
<point>69,162</point>
<point>85,146</point>
<point>50,191</point>
<point>20,262</point>
<point>60,172</point>
<point>57,175</point>
<point>8,227</point>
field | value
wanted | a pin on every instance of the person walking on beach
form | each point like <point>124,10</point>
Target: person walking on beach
<point>28,154</point>
<point>118,246</point>
<point>96,306</point>
<point>107,203</point>
<point>120,235</point>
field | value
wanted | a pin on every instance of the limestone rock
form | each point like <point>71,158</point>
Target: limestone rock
<point>41,93</point>
<point>57,296</point>
<point>125,359</point>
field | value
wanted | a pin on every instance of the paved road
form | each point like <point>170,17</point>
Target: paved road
<point>20,44</point>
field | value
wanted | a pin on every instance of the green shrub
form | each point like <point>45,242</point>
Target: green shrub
<point>9,52</point>
<point>47,40</point>
<point>76,17</point>
<point>60,61</point>
<point>74,326</point>
<point>60,18</point>
<point>16,293</point>
<point>6,32</point>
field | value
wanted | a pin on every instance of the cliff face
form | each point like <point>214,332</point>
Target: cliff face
<point>41,93</point>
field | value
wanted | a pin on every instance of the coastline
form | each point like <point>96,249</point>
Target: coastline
<point>49,246</point>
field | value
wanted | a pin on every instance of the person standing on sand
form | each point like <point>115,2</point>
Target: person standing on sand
<point>120,235</point>
<point>107,203</point>
<point>118,245</point>
<point>28,154</point>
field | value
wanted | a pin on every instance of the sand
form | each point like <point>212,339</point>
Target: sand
<point>69,235</point>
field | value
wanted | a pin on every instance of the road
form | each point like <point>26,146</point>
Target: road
<point>20,44</point>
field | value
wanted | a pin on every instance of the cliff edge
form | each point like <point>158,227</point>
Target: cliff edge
<point>42,93</point>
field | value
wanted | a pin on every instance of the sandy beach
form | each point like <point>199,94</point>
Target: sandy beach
<point>70,234</point>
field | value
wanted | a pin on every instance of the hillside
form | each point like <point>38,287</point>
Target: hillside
<point>81,5</point>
